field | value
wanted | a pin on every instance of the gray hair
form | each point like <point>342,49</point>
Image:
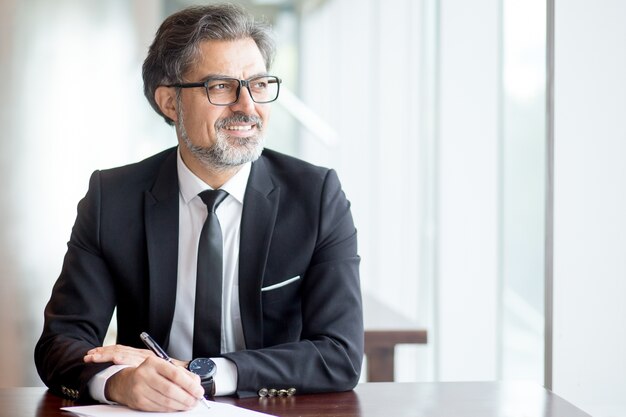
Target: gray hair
<point>177,43</point>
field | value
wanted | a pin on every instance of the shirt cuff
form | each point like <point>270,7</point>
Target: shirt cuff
<point>226,377</point>
<point>97,383</point>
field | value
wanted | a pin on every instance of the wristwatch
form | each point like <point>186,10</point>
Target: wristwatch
<point>205,368</point>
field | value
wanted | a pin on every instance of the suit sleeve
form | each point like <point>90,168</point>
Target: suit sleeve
<point>78,313</point>
<point>329,354</point>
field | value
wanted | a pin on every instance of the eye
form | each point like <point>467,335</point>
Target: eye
<point>221,86</point>
<point>260,84</point>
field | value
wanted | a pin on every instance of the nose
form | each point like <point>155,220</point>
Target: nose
<point>245,104</point>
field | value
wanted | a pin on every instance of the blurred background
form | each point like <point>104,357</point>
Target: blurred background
<point>438,116</point>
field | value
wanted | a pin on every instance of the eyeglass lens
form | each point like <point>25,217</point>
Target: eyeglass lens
<point>225,90</point>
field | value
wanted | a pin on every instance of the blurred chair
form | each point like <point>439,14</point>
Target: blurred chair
<point>384,329</point>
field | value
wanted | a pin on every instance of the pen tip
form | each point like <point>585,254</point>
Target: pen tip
<point>205,402</point>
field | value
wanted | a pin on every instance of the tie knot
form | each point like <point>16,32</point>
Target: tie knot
<point>213,198</point>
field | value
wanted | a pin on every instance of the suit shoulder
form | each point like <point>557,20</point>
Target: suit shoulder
<point>138,172</point>
<point>288,165</point>
<point>299,180</point>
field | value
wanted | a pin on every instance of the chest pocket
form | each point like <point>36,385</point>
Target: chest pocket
<point>282,314</point>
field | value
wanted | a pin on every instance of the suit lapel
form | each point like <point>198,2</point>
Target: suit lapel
<point>257,225</point>
<point>161,217</point>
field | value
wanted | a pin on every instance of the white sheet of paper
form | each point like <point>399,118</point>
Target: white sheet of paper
<point>217,409</point>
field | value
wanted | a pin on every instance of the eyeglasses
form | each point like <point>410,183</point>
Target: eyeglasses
<point>223,91</point>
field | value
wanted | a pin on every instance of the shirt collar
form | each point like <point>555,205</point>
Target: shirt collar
<point>190,185</point>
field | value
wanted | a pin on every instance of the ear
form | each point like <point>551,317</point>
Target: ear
<point>165,97</point>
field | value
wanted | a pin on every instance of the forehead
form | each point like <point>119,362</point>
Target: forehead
<point>239,58</point>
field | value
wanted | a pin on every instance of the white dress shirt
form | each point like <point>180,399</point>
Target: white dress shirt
<point>192,214</point>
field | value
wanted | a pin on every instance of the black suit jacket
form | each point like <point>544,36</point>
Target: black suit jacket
<point>123,253</point>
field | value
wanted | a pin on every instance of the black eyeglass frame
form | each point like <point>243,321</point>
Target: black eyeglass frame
<point>242,83</point>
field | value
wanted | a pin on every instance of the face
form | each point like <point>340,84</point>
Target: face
<point>222,137</point>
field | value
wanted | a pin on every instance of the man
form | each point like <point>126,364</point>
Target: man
<point>288,282</point>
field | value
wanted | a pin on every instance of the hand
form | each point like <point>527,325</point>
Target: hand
<point>122,355</point>
<point>155,385</point>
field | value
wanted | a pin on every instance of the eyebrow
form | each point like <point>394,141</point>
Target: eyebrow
<point>217,75</point>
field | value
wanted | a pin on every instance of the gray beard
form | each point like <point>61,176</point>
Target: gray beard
<point>227,151</point>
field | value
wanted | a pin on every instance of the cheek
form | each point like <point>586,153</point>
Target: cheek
<point>264,113</point>
<point>205,121</point>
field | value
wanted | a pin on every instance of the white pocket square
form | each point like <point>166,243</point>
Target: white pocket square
<point>280,284</point>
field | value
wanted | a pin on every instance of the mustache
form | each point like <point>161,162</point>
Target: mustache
<point>239,118</point>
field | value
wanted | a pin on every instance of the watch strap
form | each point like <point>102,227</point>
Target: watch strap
<point>209,387</point>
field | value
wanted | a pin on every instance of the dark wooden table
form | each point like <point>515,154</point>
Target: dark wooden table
<point>428,399</point>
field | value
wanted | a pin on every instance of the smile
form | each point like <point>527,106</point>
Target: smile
<point>240,128</point>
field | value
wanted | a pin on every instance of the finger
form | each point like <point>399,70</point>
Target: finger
<point>168,382</point>
<point>171,397</point>
<point>180,363</point>
<point>187,382</point>
<point>145,388</point>
<point>118,354</point>
<point>145,403</point>
<point>150,387</point>
<point>143,396</point>
<point>102,349</point>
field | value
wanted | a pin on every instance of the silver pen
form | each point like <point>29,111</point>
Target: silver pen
<point>158,350</point>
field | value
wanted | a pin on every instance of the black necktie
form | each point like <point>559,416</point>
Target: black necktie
<point>207,326</point>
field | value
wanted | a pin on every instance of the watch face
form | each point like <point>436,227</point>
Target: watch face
<point>204,367</point>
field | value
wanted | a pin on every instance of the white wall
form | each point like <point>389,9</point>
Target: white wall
<point>467,223</point>
<point>9,328</point>
<point>72,97</point>
<point>590,205</point>
<point>419,109</point>
<point>361,72</point>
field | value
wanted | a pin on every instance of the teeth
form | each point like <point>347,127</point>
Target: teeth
<point>247,127</point>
